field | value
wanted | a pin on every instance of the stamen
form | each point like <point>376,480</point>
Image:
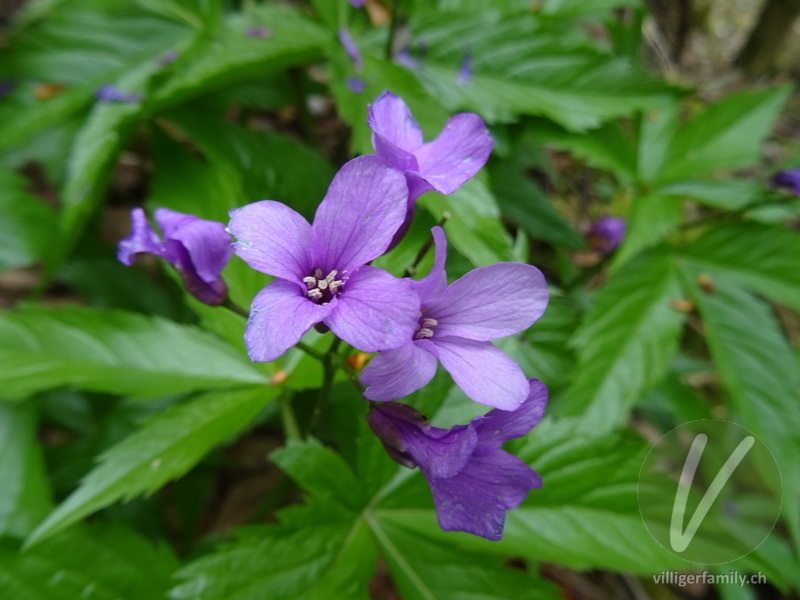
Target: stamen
<point>427,322</point>
<point>318,273</point>
<point>314,294</point>
<point>322,284</point>
<point>311,282</point>
<point>335,284</point>
<point>423,333</point>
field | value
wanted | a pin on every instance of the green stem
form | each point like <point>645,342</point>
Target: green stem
<point>310,351</point>
<point>233,307</point>
<point>290,427</point>
<point>410,270</point>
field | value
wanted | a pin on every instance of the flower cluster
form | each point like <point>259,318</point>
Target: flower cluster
<point>323,279</point>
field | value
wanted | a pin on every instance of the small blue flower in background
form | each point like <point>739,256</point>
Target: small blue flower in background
<point>456,325</point>
<point>6,87</point>
<point>355,84</point>
<point>110,93</point>
<point>464,75</point>
<point>351,49</point>
<point>258,32</point>
<point>472,479</point>
<point>788,180</point>
<point>321,269</point>
<point>197,249</point>
<point>404,58</point>
<point>358,3</point>
<point>606,234</point>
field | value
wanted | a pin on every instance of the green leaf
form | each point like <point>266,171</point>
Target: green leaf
<point>113,351</point>
<point>651,218</point>
<point>229,56</point>
<point>25,497</point>
<point>320,470</point>
<point>760,375</point>
<point>28,225</point>
<point>472,227</point>
<point>726,195</point>
<point>317,552</point>
<point>424,569</point>
<point>760,257</point>
<point>727,135</point>
<point>626,342</point>
<point>578,8</point>
<point>88,563</point>
<point>162,449</point>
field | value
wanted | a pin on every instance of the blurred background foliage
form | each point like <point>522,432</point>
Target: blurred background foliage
<point>135,434</point>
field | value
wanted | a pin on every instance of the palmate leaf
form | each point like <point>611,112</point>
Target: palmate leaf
<point>89,563</point>
<point>113,351</point>
<point>25,496</point>
<point>760,375</point>
<point>626,343</point>
<point>759,257</point>
<point>28,224</point>
<point>164,448</point>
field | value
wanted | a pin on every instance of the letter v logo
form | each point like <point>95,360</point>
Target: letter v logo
<point>678,539</point>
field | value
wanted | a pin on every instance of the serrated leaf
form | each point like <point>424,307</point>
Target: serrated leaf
<point>162,449</point>
<point>760,257</point>
<point>726,135</point>
<point>113,351</point>
<point>319,470</point>
<point>626,342</point>
<point>88,563</point>
<point>25,496</point>
<point>28,225</point>
<point>760,375</point>
<point>317,552</point>
<point>651,217</point>
<point>728,194</point>
<point>230,56</point>
<point>424,569</point>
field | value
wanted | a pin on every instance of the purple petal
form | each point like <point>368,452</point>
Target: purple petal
<point>351,49</point>
<point>364,207</point>
<point>394,374</point>
<point>404,58</point>
<point>498,426</point>
<point>490,302</point>
<point>483,372</point>
<point>357,3</point>
<point>389,117</point>
<point>141,239</point>
<point>439,453</point>
<point>475,500</point>
<point>396,157</point>
<point>433,284</point>
<point>110,93</point>
<point>279,316</point>
<point>607,233</point>
<point>375,311</point>
<point>273,239</point>
<point>788,179</point>
<point>207,242</point>
<point>460,151</point>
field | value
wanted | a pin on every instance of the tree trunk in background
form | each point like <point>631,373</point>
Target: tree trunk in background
<point>768,37</point>
<point>674,20</point>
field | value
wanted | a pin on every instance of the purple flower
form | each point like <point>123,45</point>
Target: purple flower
<point>351,49</point>
<point>358,3</point>
<point>473,480</point>
<point>110,93</point>
<point>789,180</point>
<point>444,164</point>
<point>196,248</point>
<point>320,269</point>
<point>606,234</point>
<point>355,85</point>
<point>258,32</point>
<point>465,70</point>
<point>6,87</point>
<point>456,325</point>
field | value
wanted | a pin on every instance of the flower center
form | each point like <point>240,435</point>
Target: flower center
<point>322,289</point>
<point>425,328</point>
